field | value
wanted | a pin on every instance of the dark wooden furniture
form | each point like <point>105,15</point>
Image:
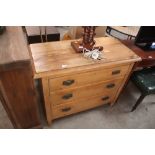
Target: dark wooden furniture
<point>145,81</point>
<point>38,34</point>
<point>17,91</point>
<point>148,58</point>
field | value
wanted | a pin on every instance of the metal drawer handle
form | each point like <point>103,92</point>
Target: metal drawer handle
<point>106,103</point>
<point>67,96</point>
<point>68,82</point>
<point>116,72</point>
<point>110,85</point>
<point>66,109</point>
<point>105,98</point>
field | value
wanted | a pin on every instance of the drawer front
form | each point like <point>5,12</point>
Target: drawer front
<point>86,78</point>
<point>77,106</point>
<point>69,95</point>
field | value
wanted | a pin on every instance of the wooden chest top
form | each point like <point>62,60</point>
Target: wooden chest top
<point>52,57</point>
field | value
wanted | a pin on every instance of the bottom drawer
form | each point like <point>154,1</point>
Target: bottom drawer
<point>77,106</point>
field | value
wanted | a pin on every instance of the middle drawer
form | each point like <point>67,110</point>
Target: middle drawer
<point>68,95</point>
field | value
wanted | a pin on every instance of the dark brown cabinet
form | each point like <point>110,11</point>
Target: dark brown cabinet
<point>17,91</point>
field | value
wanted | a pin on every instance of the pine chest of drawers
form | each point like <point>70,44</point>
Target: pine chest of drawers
<point>72,83</point>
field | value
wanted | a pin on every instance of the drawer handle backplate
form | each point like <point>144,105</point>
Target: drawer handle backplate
<point>105,98</point>
<point>116,72</point>
<point>67,96</point>
<point>66,109</point>
<point>68,82</point>
<point>110,85</point>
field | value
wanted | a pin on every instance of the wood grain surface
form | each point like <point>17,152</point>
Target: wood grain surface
<point>20,98</point>
<point>72,83</point>
<point>17,91</point>
<point>60,56</point>
<point>13,47</point>
<point>86,91</point>
<point>78,106</point>
<point>87,77</point>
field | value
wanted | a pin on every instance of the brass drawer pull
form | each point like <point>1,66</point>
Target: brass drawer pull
<point>106,103</point>
<point>68,82</point>
<point>105,98</point>
<point>110,85</point>
<point>66,109</point>
<point>116,72</point>
<point>67,96</point>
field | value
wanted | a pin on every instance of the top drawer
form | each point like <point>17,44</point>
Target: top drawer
<point>76,80</point>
